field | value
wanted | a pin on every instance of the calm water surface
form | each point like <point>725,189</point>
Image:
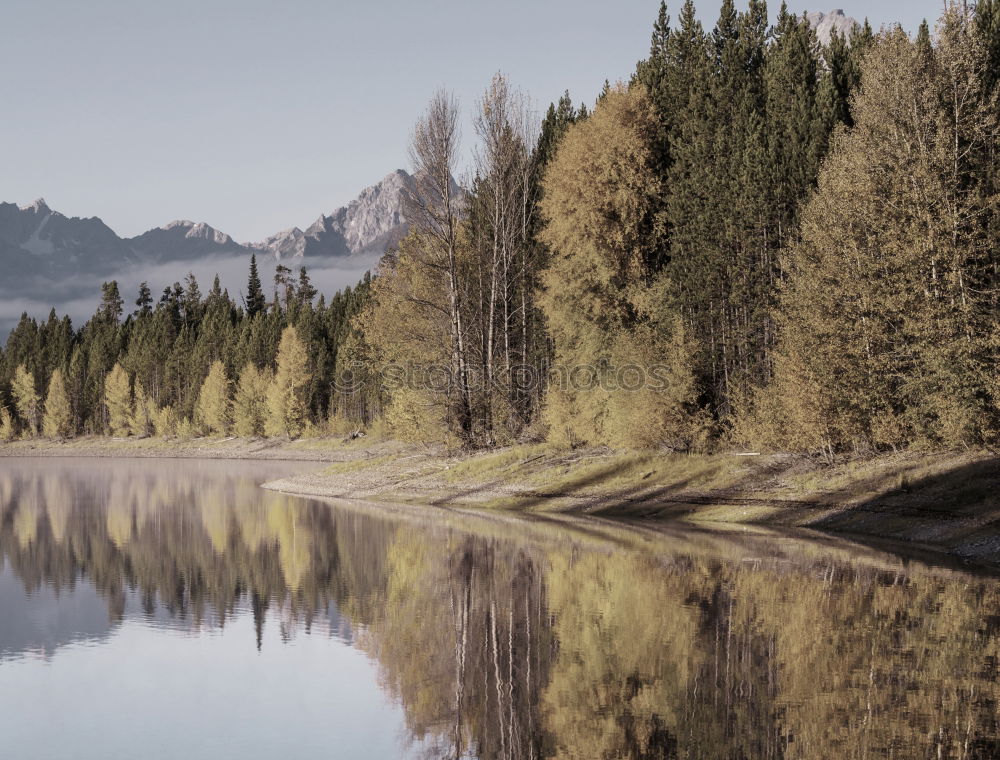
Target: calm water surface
<point>176,610</point>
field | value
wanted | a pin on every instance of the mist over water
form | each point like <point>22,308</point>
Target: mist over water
<point>78,296</point>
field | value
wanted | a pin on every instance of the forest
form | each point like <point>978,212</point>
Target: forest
<point>757,241</point>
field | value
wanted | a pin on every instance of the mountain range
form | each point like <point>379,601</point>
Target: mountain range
<point>39,246</point>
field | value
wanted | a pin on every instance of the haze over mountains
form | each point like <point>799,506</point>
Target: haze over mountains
<point>50,260</point>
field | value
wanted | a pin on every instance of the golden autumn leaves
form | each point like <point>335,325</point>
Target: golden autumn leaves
<point>261,402</point>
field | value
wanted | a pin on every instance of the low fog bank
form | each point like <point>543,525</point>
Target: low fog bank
<point>79,296</point>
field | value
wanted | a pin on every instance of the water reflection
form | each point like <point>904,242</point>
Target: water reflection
<point>510,639</point>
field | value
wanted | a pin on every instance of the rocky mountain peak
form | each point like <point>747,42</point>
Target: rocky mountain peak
<point>836,20</point>
<point>368,224</point>
<point>39,206</point>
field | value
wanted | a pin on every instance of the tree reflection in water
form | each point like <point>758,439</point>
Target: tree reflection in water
<point>532,639</point>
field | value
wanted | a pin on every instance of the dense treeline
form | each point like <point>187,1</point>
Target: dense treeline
<point>184,364</point>
<point>758,240</point>
<point>888,314</point>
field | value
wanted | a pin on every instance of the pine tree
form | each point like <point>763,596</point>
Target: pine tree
<point>26,400</point>
<point>306,291</point>
<point>255,300</point>
<point>213,409</point>
<point>76,385</point>
<point>654,74</point>
<point>144,301</point>
<point>284,287</point>
<point>111,302</point>
<point>842,78</point>
<point>286,397</point>
<point>988,28</point>
<point>191,304</point>
<point>58,419</point>
<point>118,401</point>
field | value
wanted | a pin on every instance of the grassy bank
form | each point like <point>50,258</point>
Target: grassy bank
<point>949,501</point>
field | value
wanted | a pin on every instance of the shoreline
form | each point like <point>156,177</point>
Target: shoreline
<point>151,448</point>
<point>943,502</point>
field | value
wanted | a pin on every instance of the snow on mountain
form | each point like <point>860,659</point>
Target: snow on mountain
<point>826,23</point>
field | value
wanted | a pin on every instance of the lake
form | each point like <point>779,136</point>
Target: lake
<point>174,609</point>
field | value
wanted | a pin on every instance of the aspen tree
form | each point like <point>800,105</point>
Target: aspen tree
<point>213,408</point>
<point>118,401</point>
<point>58,419</point>
<point>286,396</point>
<point>26,399</point>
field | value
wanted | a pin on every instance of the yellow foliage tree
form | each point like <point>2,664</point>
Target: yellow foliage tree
<point>165,421</point>
<point>6,424</point>
<point>406,330</point>
<point>58,420</point>
<point>26,399</point>
<point>213,408</point>
<point>118,401</point>
<point>623,365</point>
<point>286,395</point>
<point>144,412</point>
<point>250,401</point>
<point>886,319</point>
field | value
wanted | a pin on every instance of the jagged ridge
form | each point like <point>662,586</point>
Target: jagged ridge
<point>826,24</point>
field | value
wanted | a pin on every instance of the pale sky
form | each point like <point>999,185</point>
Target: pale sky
<point>255,116</point>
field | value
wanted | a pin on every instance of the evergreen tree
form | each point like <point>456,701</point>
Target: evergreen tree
<point>843,75</point>
<point>111,302</point>
<point>306,291</point>
<point>255,300</point>
<point>654,73</point>
<point>144,301</point>
<point>191,304</point>
<point>284,287</point>
<point>988,29</point>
